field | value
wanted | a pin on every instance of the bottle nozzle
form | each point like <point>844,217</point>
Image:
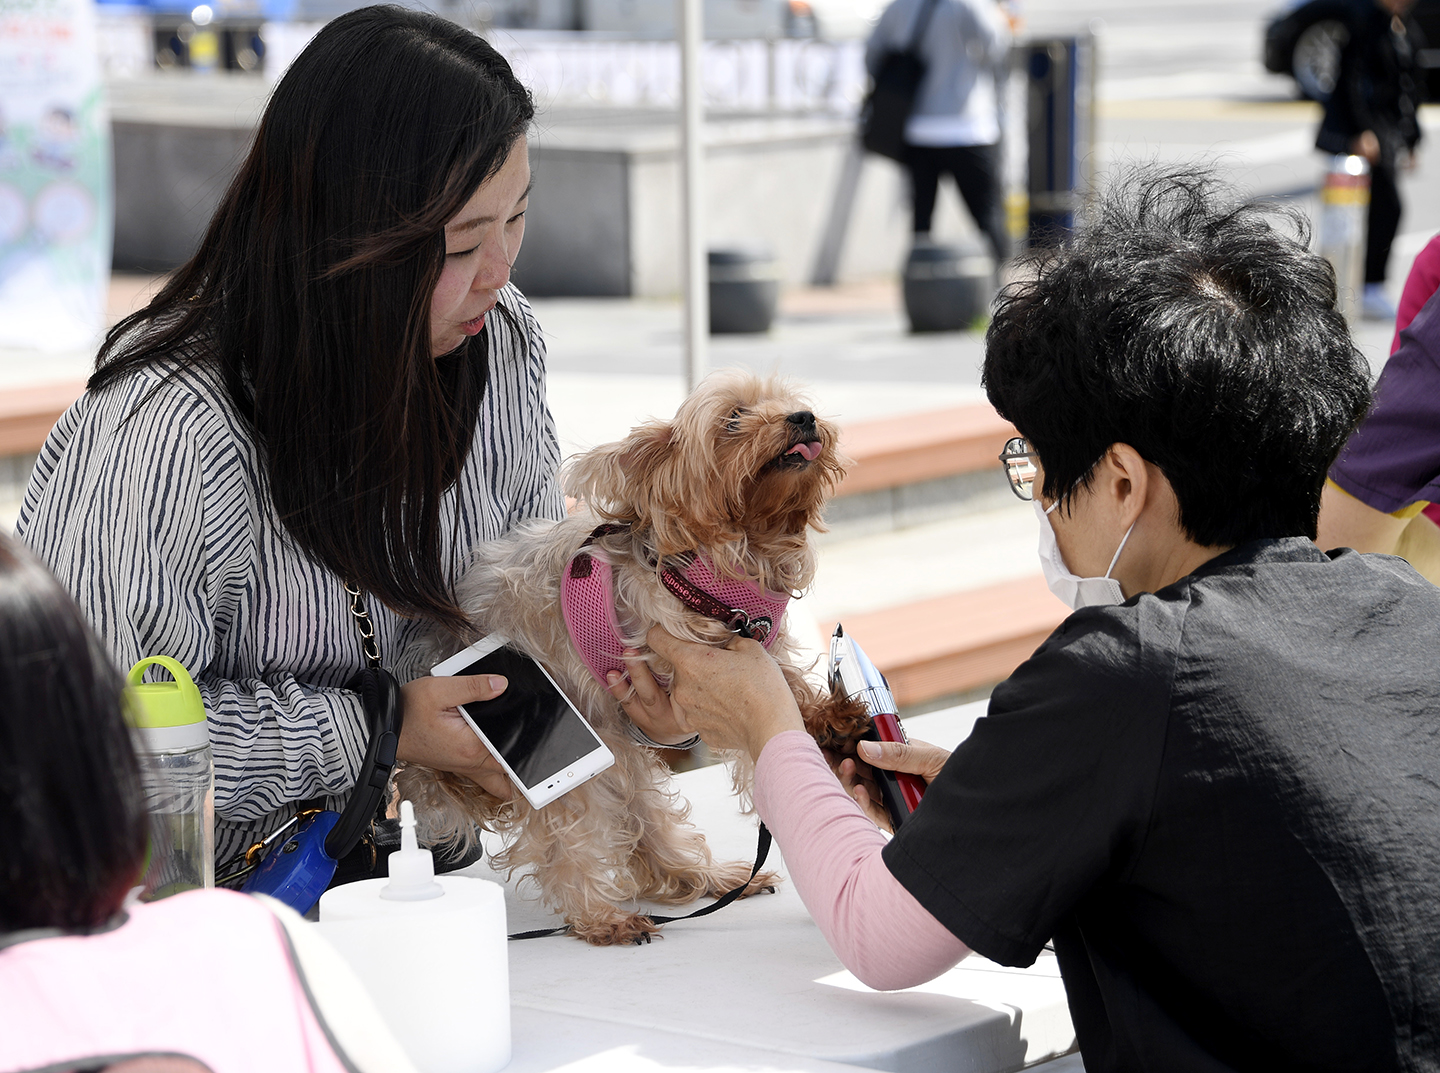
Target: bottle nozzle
<point>408,840</point>
<point>412,869</point>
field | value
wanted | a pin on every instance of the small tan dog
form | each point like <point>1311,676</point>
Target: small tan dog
<point>734,482</point>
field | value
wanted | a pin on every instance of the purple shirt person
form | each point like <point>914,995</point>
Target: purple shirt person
<point>1389,471</point>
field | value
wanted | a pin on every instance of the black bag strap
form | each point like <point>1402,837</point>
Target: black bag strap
<point>762,850</point>
<point>385,713</point>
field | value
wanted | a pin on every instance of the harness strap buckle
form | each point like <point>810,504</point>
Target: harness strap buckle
<point>756,629</point>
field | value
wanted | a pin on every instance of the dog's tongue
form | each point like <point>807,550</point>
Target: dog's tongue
<point>811,450</point>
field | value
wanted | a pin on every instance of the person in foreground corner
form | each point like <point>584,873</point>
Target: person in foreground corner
<point>1216,786</point>
<point>208,981</point>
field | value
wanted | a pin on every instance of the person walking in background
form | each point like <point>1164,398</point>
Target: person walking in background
<point>955,125</point>
<point>1373,113</point>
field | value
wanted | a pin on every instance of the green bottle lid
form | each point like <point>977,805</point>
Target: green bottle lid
<point>162,704</point>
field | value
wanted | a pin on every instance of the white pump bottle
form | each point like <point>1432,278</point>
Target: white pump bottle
<point>432,953</point>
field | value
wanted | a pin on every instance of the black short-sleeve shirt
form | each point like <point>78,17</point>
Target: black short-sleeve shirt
<point>1222,802</point>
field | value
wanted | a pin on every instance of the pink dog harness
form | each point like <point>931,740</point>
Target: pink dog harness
<point>587,600</point>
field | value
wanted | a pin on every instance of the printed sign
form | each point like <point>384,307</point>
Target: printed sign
<point>55,202</point>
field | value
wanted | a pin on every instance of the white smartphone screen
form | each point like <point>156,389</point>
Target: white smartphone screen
<point>532,727</point>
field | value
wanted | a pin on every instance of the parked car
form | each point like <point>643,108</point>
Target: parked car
<point>1304,41</point>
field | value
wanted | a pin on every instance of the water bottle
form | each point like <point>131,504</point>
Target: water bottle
<point>172,740</point>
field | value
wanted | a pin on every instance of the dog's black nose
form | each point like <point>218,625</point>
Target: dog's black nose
<point>802,417</point>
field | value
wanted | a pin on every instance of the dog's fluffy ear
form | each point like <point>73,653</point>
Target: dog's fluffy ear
<point>617,479</point>
<point>643,480</point>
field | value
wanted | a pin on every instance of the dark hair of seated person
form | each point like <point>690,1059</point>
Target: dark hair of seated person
<point>1205,335</point>
<point>73,830</point>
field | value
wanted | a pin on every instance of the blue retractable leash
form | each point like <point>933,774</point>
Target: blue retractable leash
<point>298,870</point>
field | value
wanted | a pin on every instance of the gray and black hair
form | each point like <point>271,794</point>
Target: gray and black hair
<point>1202,333</point>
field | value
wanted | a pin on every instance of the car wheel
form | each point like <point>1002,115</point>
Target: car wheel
<point>1315,61</point>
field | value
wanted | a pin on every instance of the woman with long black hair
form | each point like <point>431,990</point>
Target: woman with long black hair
<point>340,389</point>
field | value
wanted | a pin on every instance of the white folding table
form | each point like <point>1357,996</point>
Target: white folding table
<point>755,987</point>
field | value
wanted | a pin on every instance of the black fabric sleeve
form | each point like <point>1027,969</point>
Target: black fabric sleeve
<point>1052,791</point>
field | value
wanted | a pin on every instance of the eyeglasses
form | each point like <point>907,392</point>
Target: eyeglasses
<point>1019,467</point>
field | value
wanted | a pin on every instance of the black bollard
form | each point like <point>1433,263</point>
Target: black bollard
<point>947,287</point>
<point>744,290</point>
<point>1060,118</point>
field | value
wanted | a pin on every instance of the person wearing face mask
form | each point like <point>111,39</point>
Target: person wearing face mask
<point>1215,788</point>
<point>1075,592</point>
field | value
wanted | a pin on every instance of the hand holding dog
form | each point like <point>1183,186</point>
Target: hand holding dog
<point>435,734</point>
<point>734,697</point>
<point>646,704</point>
<point>737,478</point>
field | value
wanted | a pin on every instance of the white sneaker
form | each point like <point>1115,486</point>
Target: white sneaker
<point>1375,304</point>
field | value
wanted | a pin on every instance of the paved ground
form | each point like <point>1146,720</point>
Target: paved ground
<point>1180,81</point>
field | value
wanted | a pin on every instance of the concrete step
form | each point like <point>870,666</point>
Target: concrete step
<point>930,561</point>
<point>959,642</point>
<point>858,575</point>
<point>28,413</point>
<point>913,448</point>
<point>916,468</point>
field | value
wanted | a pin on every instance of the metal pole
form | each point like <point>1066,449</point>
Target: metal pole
<point>842,207</point>
<point>694,271</point>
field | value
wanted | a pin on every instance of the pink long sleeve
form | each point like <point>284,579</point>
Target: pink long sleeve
<point>832,852</point>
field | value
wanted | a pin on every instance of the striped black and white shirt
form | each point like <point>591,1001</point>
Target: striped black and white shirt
<point>147,503</point>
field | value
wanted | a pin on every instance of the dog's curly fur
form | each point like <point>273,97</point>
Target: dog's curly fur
<point>720,479</point>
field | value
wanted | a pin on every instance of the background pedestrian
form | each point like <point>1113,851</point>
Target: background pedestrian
<point>1373,113</point>
<point>954,128</point>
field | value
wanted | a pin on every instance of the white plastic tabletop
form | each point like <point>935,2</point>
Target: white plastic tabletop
<point>546,1042</point>
<point>757,978</point>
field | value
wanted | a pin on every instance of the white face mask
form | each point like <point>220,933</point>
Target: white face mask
<point>1077,592</point>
